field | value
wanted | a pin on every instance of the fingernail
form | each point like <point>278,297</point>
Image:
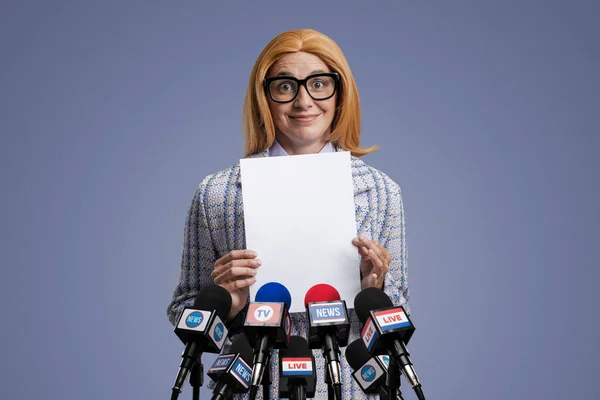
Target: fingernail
<point>258,262</point>
<point>253,253</point>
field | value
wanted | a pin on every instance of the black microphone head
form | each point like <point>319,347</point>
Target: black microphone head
<point>298,347</point>
<point>297,368</point>
<point>242,346</point>
<point>370,299</point>
<point>357,354</point>
<point>214,297</point>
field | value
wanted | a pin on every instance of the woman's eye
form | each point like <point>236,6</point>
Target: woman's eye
<point>285,87</point>
<point>319,84</point>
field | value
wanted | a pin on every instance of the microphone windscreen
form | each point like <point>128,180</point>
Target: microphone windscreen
<point>214,297</point>
<point>370,299</point>
<point>321,292</point>
<point>274,292</point>
<point>357,354</point>
<point>298,347</point>
<point>242,346</point>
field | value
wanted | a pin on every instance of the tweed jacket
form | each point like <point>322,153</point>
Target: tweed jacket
<point>215,226</point>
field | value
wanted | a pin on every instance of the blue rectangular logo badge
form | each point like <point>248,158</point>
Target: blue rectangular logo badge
<point>221,362</point>
<point>242,372</point>
<point>327,313</point>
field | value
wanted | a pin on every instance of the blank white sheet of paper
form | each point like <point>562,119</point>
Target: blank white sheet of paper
<point>299,217</point>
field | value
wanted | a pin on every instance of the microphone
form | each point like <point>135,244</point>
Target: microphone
<point>387,330</point>
<point>371,373</point>
<point>328,329</point>
<point>297,379</point>
<point>268,325</point>
<point>232,371</point>
<point>201,329</point>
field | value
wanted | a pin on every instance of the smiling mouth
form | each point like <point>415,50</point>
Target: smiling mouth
<point>304,118</point>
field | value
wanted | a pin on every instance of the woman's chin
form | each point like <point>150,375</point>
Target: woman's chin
<point>307,135</point>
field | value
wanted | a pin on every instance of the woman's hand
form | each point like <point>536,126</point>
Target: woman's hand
<point>235,272</point>
<point>374,262</point>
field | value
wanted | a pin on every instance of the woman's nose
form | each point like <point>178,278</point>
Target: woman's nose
<point>303,99</point>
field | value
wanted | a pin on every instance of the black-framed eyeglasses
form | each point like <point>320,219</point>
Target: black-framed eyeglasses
<point>283,89</point>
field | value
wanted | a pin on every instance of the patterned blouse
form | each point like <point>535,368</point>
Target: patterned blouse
<point>215,226</point>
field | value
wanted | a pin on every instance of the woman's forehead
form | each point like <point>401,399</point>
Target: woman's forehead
<point>299,64</point>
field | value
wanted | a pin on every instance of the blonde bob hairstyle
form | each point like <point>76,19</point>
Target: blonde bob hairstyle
<point>256,117</point>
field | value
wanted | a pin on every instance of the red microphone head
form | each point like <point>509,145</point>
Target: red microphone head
<point>321,292</point>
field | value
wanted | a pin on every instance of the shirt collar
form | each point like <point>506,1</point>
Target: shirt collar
<point>276,150</point>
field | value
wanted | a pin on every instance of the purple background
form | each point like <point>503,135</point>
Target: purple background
<point>112,112</point>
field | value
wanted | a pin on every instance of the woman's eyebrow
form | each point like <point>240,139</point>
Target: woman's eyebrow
<point>286,73</point>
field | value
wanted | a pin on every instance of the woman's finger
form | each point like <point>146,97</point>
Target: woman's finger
<point>232,286</point>
<point>378,265</point>
<point>363,245</point>
<point>386,255</point>
<point>236,255</point>
<point>234,273</point>
<point>364,252</point>
<point>244,263</point>
<point>369,281</point>
<point>373,245</point>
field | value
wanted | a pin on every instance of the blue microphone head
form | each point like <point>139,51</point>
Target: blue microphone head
<point>274,292</point>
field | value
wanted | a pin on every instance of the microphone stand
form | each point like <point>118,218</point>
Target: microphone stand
<point>330,350</point>
<point>197,379</point>
<point>266,383</point>
<point>299,393</point>
<point>384,394</point>
<point>392,382</point>
<point>330,391</point>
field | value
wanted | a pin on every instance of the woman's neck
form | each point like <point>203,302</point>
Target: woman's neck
<point>294,149</point>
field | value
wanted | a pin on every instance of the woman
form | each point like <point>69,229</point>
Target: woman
<point>301,99</point>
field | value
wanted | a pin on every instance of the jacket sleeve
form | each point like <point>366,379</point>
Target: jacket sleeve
<point>396,284</point>
<point>197,259</point>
